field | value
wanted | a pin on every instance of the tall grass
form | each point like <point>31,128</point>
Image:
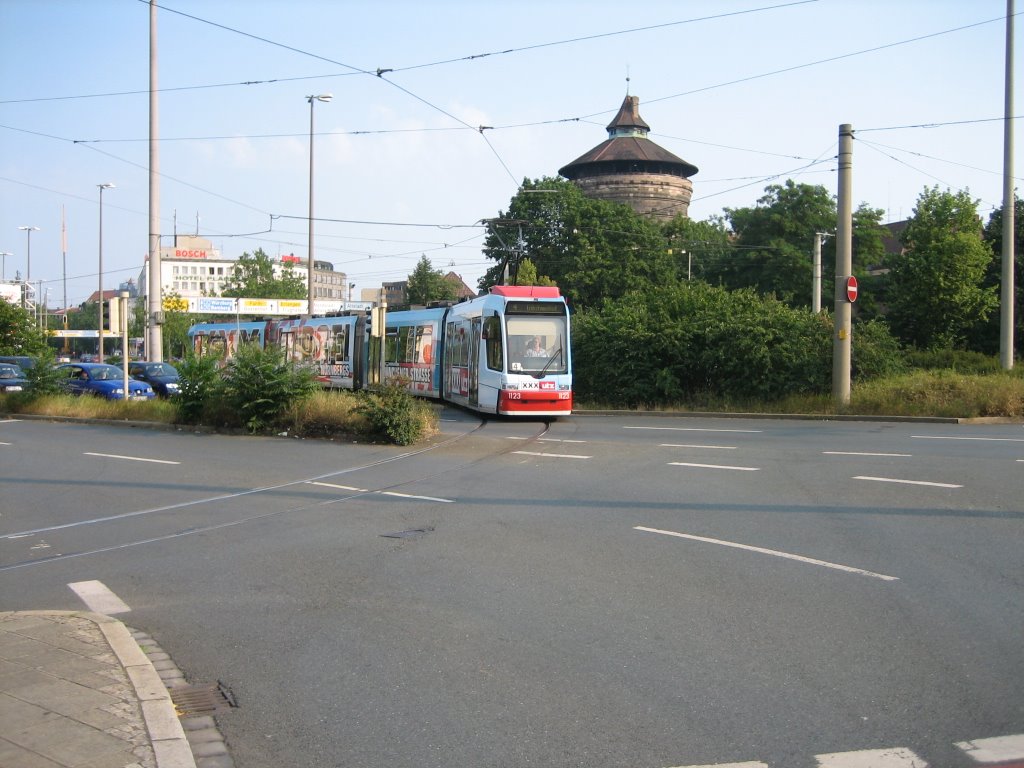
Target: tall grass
<point>85,407</point>
<point>940,393</point>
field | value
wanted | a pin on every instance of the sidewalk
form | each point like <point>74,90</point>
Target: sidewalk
<point>76,691</point>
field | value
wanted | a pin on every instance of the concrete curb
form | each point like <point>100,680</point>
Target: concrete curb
<point>170,746</point>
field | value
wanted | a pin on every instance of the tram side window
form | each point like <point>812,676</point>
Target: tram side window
<point>339,344</point>
<point>424,339</point>
<point>492,329</point>
<point>406,344</point>
<point>391,345</point>
<point>287,343</point>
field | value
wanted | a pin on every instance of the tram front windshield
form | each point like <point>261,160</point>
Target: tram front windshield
<point>537,343</point>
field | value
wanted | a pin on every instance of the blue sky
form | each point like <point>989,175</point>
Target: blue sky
<point>752,92</point>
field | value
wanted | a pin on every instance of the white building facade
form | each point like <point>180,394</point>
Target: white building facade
<point>193,268</point>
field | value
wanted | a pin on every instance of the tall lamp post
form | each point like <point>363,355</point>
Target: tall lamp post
<point>28,263</point>
<point>3,265</point>
<point>311,100</point>
<point>100,323</point>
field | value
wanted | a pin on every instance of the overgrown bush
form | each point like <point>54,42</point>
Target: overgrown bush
<point>396,414</point>
<point>44,380</point>
<point>258,385</point>
<point>685,341</point>
<point>876,352</point>
<point>198,381</point>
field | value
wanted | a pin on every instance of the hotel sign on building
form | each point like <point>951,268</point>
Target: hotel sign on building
<point>193,268</point>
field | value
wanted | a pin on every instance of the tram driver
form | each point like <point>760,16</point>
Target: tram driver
<point>535,347</point>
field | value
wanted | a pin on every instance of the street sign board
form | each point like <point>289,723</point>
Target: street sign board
<point>851,288</point>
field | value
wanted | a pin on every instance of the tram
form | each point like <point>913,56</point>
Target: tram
<point>506,352</point>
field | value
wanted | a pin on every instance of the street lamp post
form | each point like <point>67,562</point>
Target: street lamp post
<point>100,316</point>
<point>311,100</point>
<point>3,265</point>
<point>28,262</point>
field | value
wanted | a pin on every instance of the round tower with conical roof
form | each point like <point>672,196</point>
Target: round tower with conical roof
<point>630,168</point>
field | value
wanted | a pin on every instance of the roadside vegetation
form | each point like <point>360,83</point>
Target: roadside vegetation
<point>681,315</point>
<point>258,392</point>
<point>703,348</point>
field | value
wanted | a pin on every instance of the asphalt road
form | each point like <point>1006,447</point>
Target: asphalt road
<point>607,591</point>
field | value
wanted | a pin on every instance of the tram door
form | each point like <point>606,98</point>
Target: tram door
<point>474,364</point>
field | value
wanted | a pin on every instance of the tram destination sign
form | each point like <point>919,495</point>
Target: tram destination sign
<point>535,308</point>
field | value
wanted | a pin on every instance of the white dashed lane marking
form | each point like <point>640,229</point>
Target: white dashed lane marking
<point>712,466</point>
<point>998,749</point>
<point>698,429</point>
<point>1001,751</point>
<point>98,597</point>
<point>552,455</point>
<point>858,453</point>
<point>907,482</point>
<point>711,447</point>
<point>872,758</point>
<point>986,439</point>
<point>129,458</point>
<point>772,552</point>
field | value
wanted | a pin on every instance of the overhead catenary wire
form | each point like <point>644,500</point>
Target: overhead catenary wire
<point>467,127</point>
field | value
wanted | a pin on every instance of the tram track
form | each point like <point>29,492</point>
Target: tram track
<point>193,504</point>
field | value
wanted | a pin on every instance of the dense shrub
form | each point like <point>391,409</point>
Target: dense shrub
<point>876,352</point>
<point>43,377</point>
<point>396,414</point>
<point>258,385</point>
<point>199,377</point>
<point>683,341</point>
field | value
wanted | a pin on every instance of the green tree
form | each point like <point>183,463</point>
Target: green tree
<point>774,241</point>
<point>868,256</point>
<point>936,287</point>
<point>527,275</point>
<point>985,336</point>
<point>699,247</point>
<point>18,332</point>
<point>592,249</point>
<point>427,284</point>
<point>254,278</point>
<point>773,247</point>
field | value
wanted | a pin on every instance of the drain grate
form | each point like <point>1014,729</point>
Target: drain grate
<point>202,699</point>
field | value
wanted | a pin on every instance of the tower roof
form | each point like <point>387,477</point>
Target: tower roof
<point>628,117</point>
<point>627,141</point>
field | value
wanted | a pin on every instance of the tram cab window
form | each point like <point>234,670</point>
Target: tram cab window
<point>536,344</point>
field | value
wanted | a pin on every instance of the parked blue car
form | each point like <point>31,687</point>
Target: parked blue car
<point>102,380</point>
<point>12,378</point>
<point>163,377</point>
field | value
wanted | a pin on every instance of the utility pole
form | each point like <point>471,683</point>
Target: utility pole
<point>154,286</point>
<point>816,278</point>
<point>841,340</point>
<point>1009,209</point>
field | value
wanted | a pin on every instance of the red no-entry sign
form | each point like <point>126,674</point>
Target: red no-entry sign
<point>851,288</point>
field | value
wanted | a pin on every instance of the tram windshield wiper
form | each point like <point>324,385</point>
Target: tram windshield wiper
<point>540,374</point>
